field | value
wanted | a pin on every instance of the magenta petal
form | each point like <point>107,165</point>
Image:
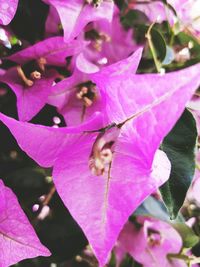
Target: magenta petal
<point>136,242</point>
<point>94,201</point>
<point>75,15</point>
<point>53,49</point>
<point>7,11</point>
<point>64,92</point>
<point>52,22</point>
<point>64,98</point>
<point>124,67</point>
<point>18,240</point>
<point>154,101</point>
<point>84,65</point>
<point>101,205</point>
<point>44,144</point>
<point>2,199</point>
<point>32,99</point>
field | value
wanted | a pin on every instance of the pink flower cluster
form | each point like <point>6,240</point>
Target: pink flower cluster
<point>106,161</point>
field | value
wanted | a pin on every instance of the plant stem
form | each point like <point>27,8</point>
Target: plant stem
<point>152,48</point>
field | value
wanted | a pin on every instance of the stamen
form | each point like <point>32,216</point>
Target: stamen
<point>97,38</point>
<point>31,71</point>
<point>86,93</point>
<point>102,151</point>
<point>154,238</point>
<point>95,3</point>
<point>35,75</point>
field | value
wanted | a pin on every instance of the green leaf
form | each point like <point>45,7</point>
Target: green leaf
<point>190,239</point>
<point>133,17</point>
<point>159,43</point>
<point>157,39</point>
<point>179,145</point>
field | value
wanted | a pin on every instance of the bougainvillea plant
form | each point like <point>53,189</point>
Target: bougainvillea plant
<point>99,133</point>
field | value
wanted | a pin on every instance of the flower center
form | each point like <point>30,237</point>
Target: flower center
<point>154,238</point>
<point>95,3</point>
<point>102,151</point>
<point>86,92</point>
<point>97,38</point>
<point>31,71</point>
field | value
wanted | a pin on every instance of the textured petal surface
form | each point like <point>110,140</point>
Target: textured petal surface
<point>125,66</point>
<point>98,197</point>
<point>102,204</point>
<point>54,49</point>
<point>44,144</point>
<point>18,240</point>
<point>153,103</point>
<point>7,11</point>
<point>32,99</point>
<point>75,15</point>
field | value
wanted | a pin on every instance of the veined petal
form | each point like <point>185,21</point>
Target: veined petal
<point>75,15</point>
<point>102,204</point>
<point>32,99</point>
<point>150,104</point>
<point>53,49</point>
<point>18,240</point>
<point>44,144</point>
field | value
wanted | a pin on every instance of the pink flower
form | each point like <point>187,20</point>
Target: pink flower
<point>95,185</point>
<point>30,99</point>
<point>77,97</point>
<point>18,240</point>
<point>32,80</point>
<point>76,14</point>
<point>103,176</point>
<point>110,42</point>
<point>149,242</point>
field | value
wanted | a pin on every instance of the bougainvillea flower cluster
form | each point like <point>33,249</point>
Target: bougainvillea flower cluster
<point>102,154</point>
<point>97,65</point>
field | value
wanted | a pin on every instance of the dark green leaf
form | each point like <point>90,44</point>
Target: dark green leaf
<point>159,44</point>
<point>157,39</point>
<point>179,146</point>
<point>133,17</point>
